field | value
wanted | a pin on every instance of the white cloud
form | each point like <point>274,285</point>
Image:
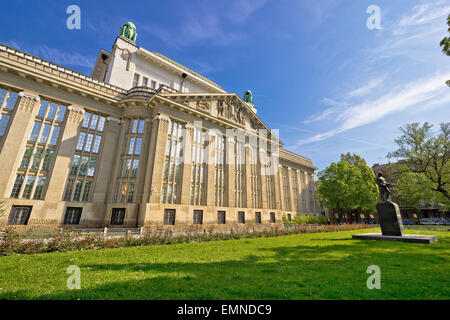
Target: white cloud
<point>206,24</point>
<point>427,90</point>
<point>73,59</point>
<point>241,10</point>
<point>422,14</point>
<point>364,90</point>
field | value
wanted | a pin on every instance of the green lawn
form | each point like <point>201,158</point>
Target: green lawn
<point>305,266</point>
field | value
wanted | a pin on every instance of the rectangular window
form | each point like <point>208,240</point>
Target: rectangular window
<point>4,119</point>
<point>17,186</point>
<point>35,131</point>
<point>54,137</point>
<point>72,215</point>
<point>198,167</point>
<point>117,216</point>
<point>144,81</point>
<point>37,158</point>
<point>289,217</point>
<point>169,216</point>
<point>77,193</point>
<point>26,158</point>
<point>258,217</point>
<point>11,100</point>
<point>45,133</point>
<point>239,173</point>
<point>135,80</point>
<point>87,189</point>
<point>172,170</point>
<point>19,215</point>
<point>87,146</point>
<point>97,141</point>
<point>153,84</point>
<point>39,188</point>
<point>80,142</point>
<point>241,217</point>
<point>219,171</point>
<point>7,102</point>
<point>272,217</point>
<point>221,217</point>
<point>28,187</point>
<point>198,216</point>
<point>69,189</point>
<point>85,159</point>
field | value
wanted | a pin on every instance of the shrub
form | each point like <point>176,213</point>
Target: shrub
<point>65,240</point>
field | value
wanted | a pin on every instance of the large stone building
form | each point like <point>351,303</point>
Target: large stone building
<point>143,141</point>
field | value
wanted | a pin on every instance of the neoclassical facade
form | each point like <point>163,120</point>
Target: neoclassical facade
<point>143,141</point>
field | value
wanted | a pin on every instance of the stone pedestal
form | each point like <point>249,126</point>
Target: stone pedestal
<point>391,225</point>
<point>390,219</point>
<point>414,238</point>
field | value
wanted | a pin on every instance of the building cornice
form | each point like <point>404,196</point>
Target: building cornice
<point>29,66</point>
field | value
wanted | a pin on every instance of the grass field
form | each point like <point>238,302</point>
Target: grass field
<point>304,266</point>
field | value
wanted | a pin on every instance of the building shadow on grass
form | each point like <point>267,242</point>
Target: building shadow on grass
<point>335,271</point>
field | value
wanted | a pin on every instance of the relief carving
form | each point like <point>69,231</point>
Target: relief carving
<point>203,105</point>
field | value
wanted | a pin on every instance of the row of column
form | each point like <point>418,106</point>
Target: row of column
<point>156,162</point>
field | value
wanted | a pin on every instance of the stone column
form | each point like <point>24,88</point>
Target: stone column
<point>186,173</point>
<point>160,129</point>
<point>210,170</point>
<point>291,189</point>
<point>281,185</point>
<point>313,189</point>
<point>277,185</point>
<point>117,156</point>
<point>110,150</point>
<point>308,209</point>
<point>15,140</point>
<point>64,156</point>
<point>229,165</point>
<point>262,171</point>
<point>300,177</point>
<point>248,178</point>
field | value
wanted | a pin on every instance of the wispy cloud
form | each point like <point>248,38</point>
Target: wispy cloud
<point>336,107</point>
<point>206,24</point>
<point>426,90</point>
<point>422,14</point>
<point>241,10</point>
<point>411,35</point>
<point>364,90</point>
<point>73,59</point>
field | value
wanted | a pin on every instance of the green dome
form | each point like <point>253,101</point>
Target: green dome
<point>248,96</point>
<point>128,31</point>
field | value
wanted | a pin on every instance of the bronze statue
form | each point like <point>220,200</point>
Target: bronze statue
<point>383,187</point>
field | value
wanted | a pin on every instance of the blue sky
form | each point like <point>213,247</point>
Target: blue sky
<point>318,74</point>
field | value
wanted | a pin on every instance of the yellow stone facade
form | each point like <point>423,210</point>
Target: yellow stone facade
<point>75,150</point>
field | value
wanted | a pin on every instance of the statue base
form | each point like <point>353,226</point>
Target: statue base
<point>413,238</point>
<point>390,219</point>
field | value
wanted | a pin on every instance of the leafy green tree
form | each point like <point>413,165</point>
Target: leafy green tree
<point>347,185</point>
<point>366,195</point>
<point>445,44</point>
<point>412,188</point>
<point>426,160</point>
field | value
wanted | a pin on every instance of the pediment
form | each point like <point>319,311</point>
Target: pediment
<point>226,107</point>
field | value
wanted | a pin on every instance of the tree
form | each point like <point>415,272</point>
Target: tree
<point>445,44</point>
<point>367,194</point>
<point>347,185</point>
<point>426,158</point>
<point>412,188</point>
